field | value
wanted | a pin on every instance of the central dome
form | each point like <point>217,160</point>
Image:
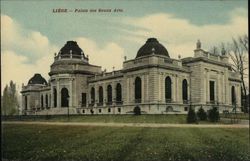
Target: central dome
<point>71,46</point>
<point>152,46</point>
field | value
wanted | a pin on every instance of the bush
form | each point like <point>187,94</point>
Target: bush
<point>191,117</point>
<point>137,110</point>
<point>214,115</point>
<point>201,114</point>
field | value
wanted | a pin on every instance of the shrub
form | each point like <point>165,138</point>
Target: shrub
<point>201,114</point>
<point>191,117</point>
<point>137,110</point>
<point>214,115</point>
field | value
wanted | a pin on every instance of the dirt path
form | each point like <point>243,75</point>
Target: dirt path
<point>127,124</point>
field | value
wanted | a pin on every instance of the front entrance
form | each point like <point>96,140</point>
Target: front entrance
<point>64,97</point>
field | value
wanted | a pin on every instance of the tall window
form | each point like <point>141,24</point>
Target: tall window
<point>168,88</point>
<point>26,102</point>
<point>212,90</point>
<point>84,99</point>
<point>46,101</point>
<point>92,95</point>
<point>42,101</point>
<point>55,97</point>
<point>64,97</point>
<point>100,95</point>
<point>233,95</point>
<point>118,93</point>
<point>138,90</point>
<point>109,92</point>
<point>184,90</point>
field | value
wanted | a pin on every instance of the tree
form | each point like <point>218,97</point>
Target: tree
<point>9,100</point>
<point>191,117</point>
<point>238,54</point>
<point>202,115</point>
<point>213,114</point>
<point>137,110</point>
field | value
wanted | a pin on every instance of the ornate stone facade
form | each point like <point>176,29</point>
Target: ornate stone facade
<point>152,81</point>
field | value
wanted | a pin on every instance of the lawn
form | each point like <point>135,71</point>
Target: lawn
<point>32,142</point>
<point>109,118</point>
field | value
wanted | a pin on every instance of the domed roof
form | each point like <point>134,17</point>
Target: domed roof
<point>37,79</point>
<point>71,46</point>
<point>152,46</point>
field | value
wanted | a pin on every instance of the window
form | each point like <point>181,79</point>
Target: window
<point>184,90</point>
<point>42,101</point>
<point>55,97</point>
<point>169,109</point>
<point>233,98</point>
<point>100,110</point>
<point>26,102</point>
<point>168,88</point>
<point>84,100</point>
<point>119,110</point>
<point>212,90</point>
<point>185,108</point>
<point>83,111</point>
<point>109,92</point>
<point>100,95</point>
<point>138,90</point>
<point>46,101</point>
<point>92,95</point>
<point>118,93</point>
<point>64,97</point>
<point>109,110</point>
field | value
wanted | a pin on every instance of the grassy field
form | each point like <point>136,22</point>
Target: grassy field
<point>111,118</point>
<point>32,142</point>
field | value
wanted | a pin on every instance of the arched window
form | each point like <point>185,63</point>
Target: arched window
<point>109,93</point>
<point>138,90</point>
<point>64,97</point>
<point>184,90</point>
<point>46,101</point>
<point>118,93</point>
<point>168,89</point>
<point>55,97</point>
<point>42,101</point>
<point>92,95</point>
<point>233,95</point>
<point>100,95</point>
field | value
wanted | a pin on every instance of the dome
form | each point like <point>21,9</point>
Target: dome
<point>37,79</point>
<point>71,46</point>
<point>152,46</point>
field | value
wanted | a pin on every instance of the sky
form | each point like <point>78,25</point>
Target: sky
<point>31,32</point>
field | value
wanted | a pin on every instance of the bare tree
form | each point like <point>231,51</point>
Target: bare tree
<point>238,52</point>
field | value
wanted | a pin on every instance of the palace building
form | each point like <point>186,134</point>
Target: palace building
<point>152,82</point>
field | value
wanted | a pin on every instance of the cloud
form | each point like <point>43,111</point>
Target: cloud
<point>111,54</point>
<point>23,52</point>
<point>31,44</point>
<point>14,67</point>
<point>179,35</point>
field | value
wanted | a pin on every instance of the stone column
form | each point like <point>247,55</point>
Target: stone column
<point>96,95</point>
<point>177,89</point>
<point>173,87</point>
<point>128,90</point>
<point>70,93</point>
<point>208,92</point>
<point>58,93</point>
<point>105,93</point>
<point>159,88</point>
<point>142,89</point>
<point>113,93</point>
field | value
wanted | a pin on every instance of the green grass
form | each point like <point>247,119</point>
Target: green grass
<point>243,116</point>
<point>112,118</point>
<point>32,142</point>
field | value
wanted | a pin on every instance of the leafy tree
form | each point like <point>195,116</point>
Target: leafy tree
<point>9,100</point>
<point>214,115</point>
<point>202,115</point>
<point>191,117</point>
